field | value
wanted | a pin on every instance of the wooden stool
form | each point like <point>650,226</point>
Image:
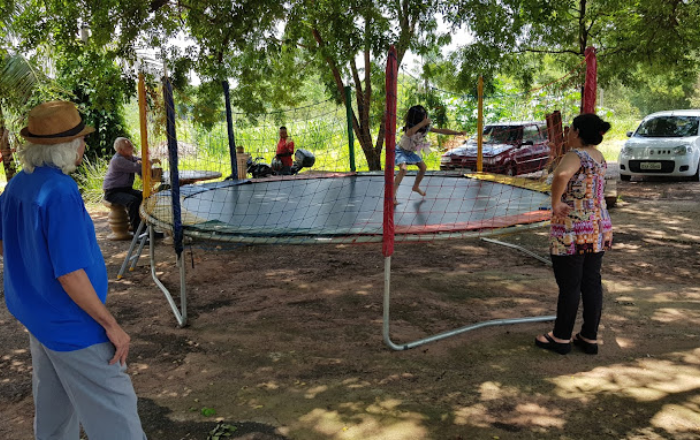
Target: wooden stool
<point>118,220</point>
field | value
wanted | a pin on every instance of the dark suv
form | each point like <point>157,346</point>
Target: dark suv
<point>509,148</point>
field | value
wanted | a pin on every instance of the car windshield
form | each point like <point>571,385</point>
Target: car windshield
<point>501,134</point>
<point>669,126</point>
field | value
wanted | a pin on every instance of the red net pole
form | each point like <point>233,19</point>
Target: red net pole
<point>591,86</point>
<point>390,116</point>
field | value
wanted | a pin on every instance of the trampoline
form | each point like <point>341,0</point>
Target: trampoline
<point>334,208</point>
<point>347,208</point>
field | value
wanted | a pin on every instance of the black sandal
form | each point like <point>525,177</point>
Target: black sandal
<point>586,347</point>
<point>551,344</point>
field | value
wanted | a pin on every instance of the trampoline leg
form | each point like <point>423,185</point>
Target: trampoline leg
<point>180,313</point>
<point>546,261</point>
<point>183,290</point>
<point>387,303</point>
<point>447,334</point>
<point>142,244</point>
<point>130,257</point>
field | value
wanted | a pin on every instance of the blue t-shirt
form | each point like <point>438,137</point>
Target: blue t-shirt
<point>47,232</point>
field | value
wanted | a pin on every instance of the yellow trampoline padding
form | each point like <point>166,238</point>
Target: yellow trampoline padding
<point>161,208</point>
<point>520,182</point>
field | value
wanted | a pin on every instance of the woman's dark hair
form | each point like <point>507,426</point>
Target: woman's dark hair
<point>590,128</point>
<point>415,116</point>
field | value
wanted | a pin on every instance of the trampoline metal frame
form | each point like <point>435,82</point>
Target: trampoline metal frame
<point>519,248</point>
<point>386,319</point>
<point>180,312</point>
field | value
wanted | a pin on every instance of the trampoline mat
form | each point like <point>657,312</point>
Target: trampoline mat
<point>350,205</point>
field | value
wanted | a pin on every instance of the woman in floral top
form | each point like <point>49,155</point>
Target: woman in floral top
<point>580,234</point>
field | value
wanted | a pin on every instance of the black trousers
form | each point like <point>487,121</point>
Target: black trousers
<point>129,197</point>
<point>578,278</point>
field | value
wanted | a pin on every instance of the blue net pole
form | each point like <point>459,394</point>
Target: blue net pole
<point>173,161</point>
<point>229,128</point>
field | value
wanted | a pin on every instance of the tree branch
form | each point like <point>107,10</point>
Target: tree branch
<point>356,79</point>
<point>336,72</point>
<point>362,106</point>
<point>368,64</point>
<point>582,34</point>
<point>337,78</point>
<point>547,51</point>
<point>157,4</point>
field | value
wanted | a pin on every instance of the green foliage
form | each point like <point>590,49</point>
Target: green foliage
<point>662,92</point>
<point>649,48</point>
<point>19,78</point>
<point>23,85</point>
<point>504,100</point>
<point>100,88</point>
<point>333,35</point>
<point>695,97</point>
<point>221,33</point>
<point>221,431</point>
<point>208,412</point>
<point>90,176</point>
<point>518,37</point>
<point>84,73</point>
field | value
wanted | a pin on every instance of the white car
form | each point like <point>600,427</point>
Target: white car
<point>665,144</point>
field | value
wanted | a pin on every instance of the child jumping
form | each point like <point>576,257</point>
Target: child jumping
<point>417,126</point>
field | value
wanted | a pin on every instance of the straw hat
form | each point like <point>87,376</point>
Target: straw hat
<point>54,122</point>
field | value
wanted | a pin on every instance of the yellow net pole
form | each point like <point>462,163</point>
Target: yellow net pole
<point>480,128</point>
<point>145,163</point>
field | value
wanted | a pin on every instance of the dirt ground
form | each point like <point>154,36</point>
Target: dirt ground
<point>285,342</point>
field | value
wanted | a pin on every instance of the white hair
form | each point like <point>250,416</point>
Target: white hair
<point>118,142</point>
<point>63,156</point>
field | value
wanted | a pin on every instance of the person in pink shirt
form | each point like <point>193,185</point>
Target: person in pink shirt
<point>285,151</point>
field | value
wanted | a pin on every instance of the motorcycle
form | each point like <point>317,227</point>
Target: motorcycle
<point>258,169</point>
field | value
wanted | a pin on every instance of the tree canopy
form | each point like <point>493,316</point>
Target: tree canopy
<point>659,36</point>
<point>268,48</point>
<point>348,41</point>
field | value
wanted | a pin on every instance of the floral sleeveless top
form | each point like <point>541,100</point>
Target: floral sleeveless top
<point>587,228</point>
<point>416,143</point>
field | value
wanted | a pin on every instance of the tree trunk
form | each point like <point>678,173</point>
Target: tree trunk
<point>381,134</point>
<point>8,161</point>
<point>361,124</point>
<point>582,31</point>
<point>374,159</point>
<point>373,153</point>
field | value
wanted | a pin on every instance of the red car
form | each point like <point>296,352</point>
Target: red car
<point>509,148</point>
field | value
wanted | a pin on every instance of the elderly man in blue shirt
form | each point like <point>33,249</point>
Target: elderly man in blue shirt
<point>119,180</point>
<point>55,282</point>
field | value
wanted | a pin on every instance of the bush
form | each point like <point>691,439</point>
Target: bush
<point>90,176</point>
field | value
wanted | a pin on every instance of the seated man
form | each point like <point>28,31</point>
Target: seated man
<point>119,180</point>
<point>285,151</point>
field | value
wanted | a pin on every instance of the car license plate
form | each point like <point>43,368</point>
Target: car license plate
<point>650,166</point>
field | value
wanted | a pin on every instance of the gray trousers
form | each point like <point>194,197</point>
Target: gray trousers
<point>80,387</point>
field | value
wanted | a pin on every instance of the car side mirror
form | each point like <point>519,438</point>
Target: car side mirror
<point>527,143</point>
<point>629,134</point>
